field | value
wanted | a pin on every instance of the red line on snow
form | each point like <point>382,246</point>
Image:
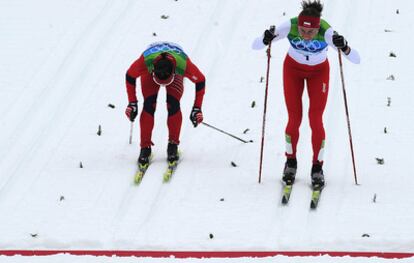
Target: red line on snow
<point>204,254</point>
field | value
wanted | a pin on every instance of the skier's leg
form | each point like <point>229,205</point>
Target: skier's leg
<point>318,88</point>
<point>293,85</point>
<point>174,94</point>
<point>146,121</point>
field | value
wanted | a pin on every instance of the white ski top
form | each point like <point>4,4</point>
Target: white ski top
<point>311,52</point>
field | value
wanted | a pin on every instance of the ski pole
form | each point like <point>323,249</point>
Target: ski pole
<point>347,115</point>
<point>231,135</point>
<point>272,28</point>
<point>130,132</point>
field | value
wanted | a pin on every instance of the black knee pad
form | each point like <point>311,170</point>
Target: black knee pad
<point>149,104</point>
<point>173,105</point>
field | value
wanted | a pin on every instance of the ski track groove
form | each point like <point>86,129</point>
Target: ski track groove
<point>48,91</point>
<point>131,194</point>
<point>72,91</point>
<point>207,30</point>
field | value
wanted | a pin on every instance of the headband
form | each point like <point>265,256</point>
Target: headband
<point>309,21</point>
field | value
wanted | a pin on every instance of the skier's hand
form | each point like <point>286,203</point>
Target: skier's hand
<point>196,116</point>
<point>131,110</point>
<point>269,35</point>
<point>340,42</point>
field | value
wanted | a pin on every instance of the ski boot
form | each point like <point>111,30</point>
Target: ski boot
<point>143,164</point>
<point>144,158</point>
<point>172,152</point>
<point>289,172</point>
<point>172,159</point>
<point>318,179</point>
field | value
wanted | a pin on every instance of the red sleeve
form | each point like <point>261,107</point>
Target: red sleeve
<point>135,70</point>
<point>195,75</point>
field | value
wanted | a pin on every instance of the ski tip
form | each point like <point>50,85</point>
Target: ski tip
<point>167,176</point>
<point>315,199</point>
<point>137,180</point>
<point>287,189</point>
<point>139,175</point>
<point>166,179</point>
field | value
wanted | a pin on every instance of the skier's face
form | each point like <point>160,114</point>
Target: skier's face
<point>307,33</point>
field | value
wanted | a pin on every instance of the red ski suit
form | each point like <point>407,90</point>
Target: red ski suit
<point>174,94</point>
<point>317,79</point>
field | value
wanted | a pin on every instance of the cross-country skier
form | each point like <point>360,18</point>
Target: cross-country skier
<point>306,61</point>
<point>163,64</point>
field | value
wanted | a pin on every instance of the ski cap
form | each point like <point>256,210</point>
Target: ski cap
<point>309,21</point>
<point>164,69</point>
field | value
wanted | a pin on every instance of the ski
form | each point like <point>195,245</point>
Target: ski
<point>287,190</point>
<point>289,173</point>
<point>172,166</point>
<point>142,169</point>
<point>316,195</point>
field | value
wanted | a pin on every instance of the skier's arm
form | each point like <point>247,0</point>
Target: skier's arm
<point>195,75</point>
<point>135,70</point>
<point>281,32</point>
<point>350,53</point>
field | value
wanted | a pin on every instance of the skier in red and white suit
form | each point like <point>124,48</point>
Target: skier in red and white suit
<point>309,37</point>
<point>163,64</point>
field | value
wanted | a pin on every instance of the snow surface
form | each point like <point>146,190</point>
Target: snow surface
<point>63,62</point>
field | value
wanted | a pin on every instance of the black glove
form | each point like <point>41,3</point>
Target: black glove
<point>340,42</point>
<point>196,116</point>
<point>268,35</point>
<point>132,110</point>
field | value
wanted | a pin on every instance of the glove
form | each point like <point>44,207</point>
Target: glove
<point>268,35</point>
<point>132,110</point>
<point>340,42</point>
<point>196,116</point>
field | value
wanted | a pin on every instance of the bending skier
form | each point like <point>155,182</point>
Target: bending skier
<point>162,64</point>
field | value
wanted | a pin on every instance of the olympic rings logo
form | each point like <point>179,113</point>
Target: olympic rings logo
<point>306,45</point>
<point>164,47</point>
